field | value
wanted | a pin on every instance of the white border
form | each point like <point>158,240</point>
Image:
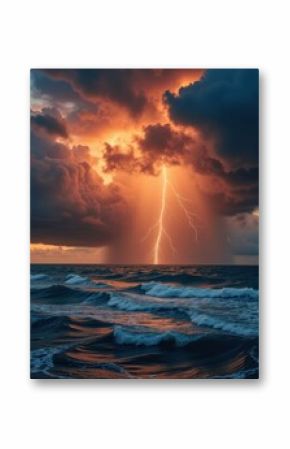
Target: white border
<point>219,414</point>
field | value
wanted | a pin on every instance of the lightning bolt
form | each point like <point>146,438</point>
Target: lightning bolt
<point>159,225</point>
<point>161,229</point>
<point>189,215</point>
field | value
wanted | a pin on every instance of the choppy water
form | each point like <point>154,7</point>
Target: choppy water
<point>91,321</point>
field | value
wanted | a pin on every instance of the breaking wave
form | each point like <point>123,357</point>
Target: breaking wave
<point>82,281</point>
<point>97,298</point>
<point>167,291</point>
<point>42,359</point>
<point>57,292</point>
<point>165,322</point>
<point>38,277</point>
<point>127,336</point>
<point>224,315</point>
<point>75,279</point>
<point>134,303</point>
<point>240,329</point>
<point>60,294</point>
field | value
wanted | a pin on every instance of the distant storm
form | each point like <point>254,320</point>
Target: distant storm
<point>144,166</point>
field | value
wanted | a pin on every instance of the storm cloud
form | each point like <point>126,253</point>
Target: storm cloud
<point>49,121</point>
<point>69,203</point>
<point>91,125</point>
<point>237,188</point>
<point>223,105</point>
<point>130,88</point>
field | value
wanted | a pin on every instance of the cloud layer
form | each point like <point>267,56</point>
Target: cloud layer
<point>69,203</point>
<point>223,105</point>
<point>131,121</point>
<point>234,190</point>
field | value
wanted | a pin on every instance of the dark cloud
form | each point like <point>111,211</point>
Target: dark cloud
<point>223,105</point>
<point>83,117</point>
<point>159,144</point>
<point>49,121</point>
<point>117,159</point>
<point>129,88</point>
<point>42,85</point>
<point>243,232</point>
<point>237,188</point>
<point>162,141</point>
<point>69,203</point>
<point>242,176</point>
<point>116,85</point>
<point>230,202</point>
<point>81,114</point>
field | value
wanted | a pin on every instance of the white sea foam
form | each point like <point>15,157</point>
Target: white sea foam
<point>167,291</point>
<point>133,303</point>
<point>232,316</point>
<point>42,359</point>
<point>38,277</point>
<point>75,279</point>
<point>147,338</point>
<point>217,322</point>
<point>95,298</point>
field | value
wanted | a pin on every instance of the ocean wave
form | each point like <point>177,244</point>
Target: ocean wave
<point>128,336</point>
<point>217,322</point>
<point>250,373</point>
<point>96,298</point>
<point>56,291</point>
<point>82,281</point>
<point>46,323</point>
<point>38,277</point>
<point>41,360</point>
<point>61,294</point>
<point>123,303</point>
<point>134,302</point>
<point>75,279</point>
<point>226,315</point>
<point>98,284</point>
<point>157,276</point>
<point>185,278</point>
<point>166,291</point>
<point>34,320</point>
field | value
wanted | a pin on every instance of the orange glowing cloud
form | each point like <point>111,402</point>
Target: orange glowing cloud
<point>117,153</point>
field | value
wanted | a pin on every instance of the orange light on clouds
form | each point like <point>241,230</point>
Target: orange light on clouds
<point>42,253</point>
<point>168,205</point>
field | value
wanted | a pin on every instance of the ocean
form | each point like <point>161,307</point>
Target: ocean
<point>147,322</point>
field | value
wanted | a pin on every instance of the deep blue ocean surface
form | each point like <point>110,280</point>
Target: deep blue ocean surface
<point>169,322</point>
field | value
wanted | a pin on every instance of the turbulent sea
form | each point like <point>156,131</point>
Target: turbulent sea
<point>164,322</point>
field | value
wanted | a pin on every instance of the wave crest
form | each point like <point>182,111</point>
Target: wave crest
<point>38,277</point>
<point>127,336</point>
<point>127,304</point>
<point>75,279</point>
<point>202,319</point>
<point>168,291</point>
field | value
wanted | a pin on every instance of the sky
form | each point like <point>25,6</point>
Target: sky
<point>144,166</point>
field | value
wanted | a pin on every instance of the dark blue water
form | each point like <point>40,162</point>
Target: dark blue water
<point>171,322</point>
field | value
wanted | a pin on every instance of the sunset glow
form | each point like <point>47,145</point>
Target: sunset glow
<point>141,166</point>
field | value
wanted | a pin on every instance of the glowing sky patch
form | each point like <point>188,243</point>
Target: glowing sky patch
<point>144,166</point>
